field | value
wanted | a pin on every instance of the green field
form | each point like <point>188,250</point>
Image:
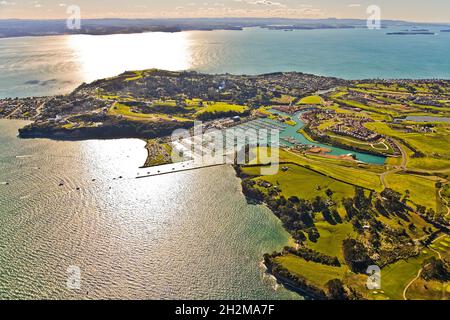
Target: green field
<point>433,145</point>
<point>378,147</point>
<point>443,247</point>
<point>366,176</point>
<point>125,111</point>
<point>311,100</point>
<point>306,184</point>
<point>316,273</point>
<point>283,99</point>
<point>221,107</point>
<point>331,237</point>
<point>422,189</point>
<point>396,276</point>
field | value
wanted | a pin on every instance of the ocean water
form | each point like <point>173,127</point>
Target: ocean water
<point>57,64</point>
<point>188,235</point>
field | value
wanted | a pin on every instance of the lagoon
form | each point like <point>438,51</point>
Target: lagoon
<point>292,131</point>
<point>427,119</point>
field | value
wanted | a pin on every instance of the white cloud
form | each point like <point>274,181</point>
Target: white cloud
<point>267,3</point>
<point>7,3</point>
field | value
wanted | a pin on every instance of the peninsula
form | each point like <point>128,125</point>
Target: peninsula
<point>343,210</point>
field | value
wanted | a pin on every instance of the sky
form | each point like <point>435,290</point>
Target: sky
<point>410,10</point>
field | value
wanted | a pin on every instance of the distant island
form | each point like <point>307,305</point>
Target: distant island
<point>21,28</point>
<point>407,33</point>
<point>343,213</point>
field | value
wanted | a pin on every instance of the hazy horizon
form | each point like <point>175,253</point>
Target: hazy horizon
<point>231,17</point>
<point>434,11</point>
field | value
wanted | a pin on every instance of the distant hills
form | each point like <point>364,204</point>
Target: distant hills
<point>20,28</point>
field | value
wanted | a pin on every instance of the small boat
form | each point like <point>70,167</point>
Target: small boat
<point>61,183</point>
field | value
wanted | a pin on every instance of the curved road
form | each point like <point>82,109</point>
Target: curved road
<point>396,169</point>
<point>421,269</point>
<point>445,201</point>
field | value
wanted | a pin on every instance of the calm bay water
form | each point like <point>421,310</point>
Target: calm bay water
<point>184,235</point>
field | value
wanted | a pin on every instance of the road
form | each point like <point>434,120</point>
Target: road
<point>396,169</point>
<point>421,269</point>
<point>445,201</point>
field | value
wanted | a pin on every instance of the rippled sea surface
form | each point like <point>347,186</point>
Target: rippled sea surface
<point>184,235</point>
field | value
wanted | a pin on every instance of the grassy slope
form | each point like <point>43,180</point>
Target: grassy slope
<point>422,189</point>
<point>331,237</point>
<point>434,145</point>
<point>338,169</point>
<point>313,100</point>
<point>316,273</point>
<point>222,107</point>
<point>120,109</point>
<point>307,184</point>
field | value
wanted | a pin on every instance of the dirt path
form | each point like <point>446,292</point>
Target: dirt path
<point>435,251</point>
<point>421,269</point>
<point>445,201</point>
<point>410,283</point>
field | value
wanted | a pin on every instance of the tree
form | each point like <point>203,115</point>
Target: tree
<point>393,201</point>
<point>430,213</point>
<point>336,290</point>
<point>329,193</point>
<point>421,209</point>
<point>355,254</point>
<point>360,199</point>
<point>435,269</point>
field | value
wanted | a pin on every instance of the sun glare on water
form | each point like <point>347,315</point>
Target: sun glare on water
<point>106,56</point>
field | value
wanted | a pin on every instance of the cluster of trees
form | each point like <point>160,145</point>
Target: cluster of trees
<point>250,190</point>
<point>312,255</point>
<point>112,127</point>
<point>355,255</point>
<point>297,283</point>
<point>334,289</point>
<point>205,116</point>
<point>393,201</point>
<point>337,291</point>
<point>435,269</point>
<point>297,215</point>
<point>431,215</point>
<point>360,211</point>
